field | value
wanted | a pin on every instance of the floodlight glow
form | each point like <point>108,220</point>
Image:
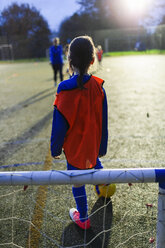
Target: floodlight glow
<point>137,6</point>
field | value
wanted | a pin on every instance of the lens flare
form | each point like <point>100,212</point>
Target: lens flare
<point>137,6</point>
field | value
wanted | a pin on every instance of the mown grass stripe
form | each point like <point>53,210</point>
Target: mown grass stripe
<point>37,219</point>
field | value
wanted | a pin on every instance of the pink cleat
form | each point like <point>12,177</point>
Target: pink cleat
<point>75,216</point>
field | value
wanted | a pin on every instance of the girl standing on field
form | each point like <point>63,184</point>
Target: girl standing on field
<point>56,59</point>
<point>80,121</point>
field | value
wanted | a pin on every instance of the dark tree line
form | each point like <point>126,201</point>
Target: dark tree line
<point>26,30</point>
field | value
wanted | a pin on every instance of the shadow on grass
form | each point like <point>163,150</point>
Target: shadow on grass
<point>15,144</point>
<point>5,113</point>
<point>98,235</point>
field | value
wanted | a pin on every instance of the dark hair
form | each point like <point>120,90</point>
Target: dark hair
<point>81,53</point>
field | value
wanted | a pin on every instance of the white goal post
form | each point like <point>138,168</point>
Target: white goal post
<point>104,176</point>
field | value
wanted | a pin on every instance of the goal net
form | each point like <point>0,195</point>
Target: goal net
<point>6,52</point>
<point>37,215</point>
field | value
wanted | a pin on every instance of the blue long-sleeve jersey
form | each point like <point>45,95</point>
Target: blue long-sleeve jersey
<point>55,55</point>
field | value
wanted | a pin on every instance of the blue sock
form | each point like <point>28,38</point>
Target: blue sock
<point>81,201</point>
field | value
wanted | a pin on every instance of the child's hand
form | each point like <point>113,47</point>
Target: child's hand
<point>101,155</point>
<point>56,157</point>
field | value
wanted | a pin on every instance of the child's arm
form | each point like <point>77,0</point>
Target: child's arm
<point>104,138</point>
<point>50,55</point>
<point>59,129</point>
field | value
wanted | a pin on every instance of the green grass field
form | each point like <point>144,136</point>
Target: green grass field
<point>127,53</point>
<point>135,92</point>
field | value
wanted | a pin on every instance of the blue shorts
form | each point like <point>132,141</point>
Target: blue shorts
<point>97,166</point>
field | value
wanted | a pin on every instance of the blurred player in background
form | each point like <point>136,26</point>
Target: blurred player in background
<point>99,53</point>
<point>56,59</point>
<point>66,49</point>
<point>80,121</point>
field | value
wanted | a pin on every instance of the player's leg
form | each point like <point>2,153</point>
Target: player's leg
<point>55,67</point>
<point>80,214</point>
<point>102,190</point>
<point>61,71</point>
<point>80,197</point>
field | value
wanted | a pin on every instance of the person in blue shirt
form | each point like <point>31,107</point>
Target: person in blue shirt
<point>56,59</point>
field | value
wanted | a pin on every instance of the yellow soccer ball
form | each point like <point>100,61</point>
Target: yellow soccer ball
<point>105,190</point>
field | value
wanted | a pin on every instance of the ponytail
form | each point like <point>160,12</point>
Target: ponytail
<point>81,53</point>
<point>80,82</point>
